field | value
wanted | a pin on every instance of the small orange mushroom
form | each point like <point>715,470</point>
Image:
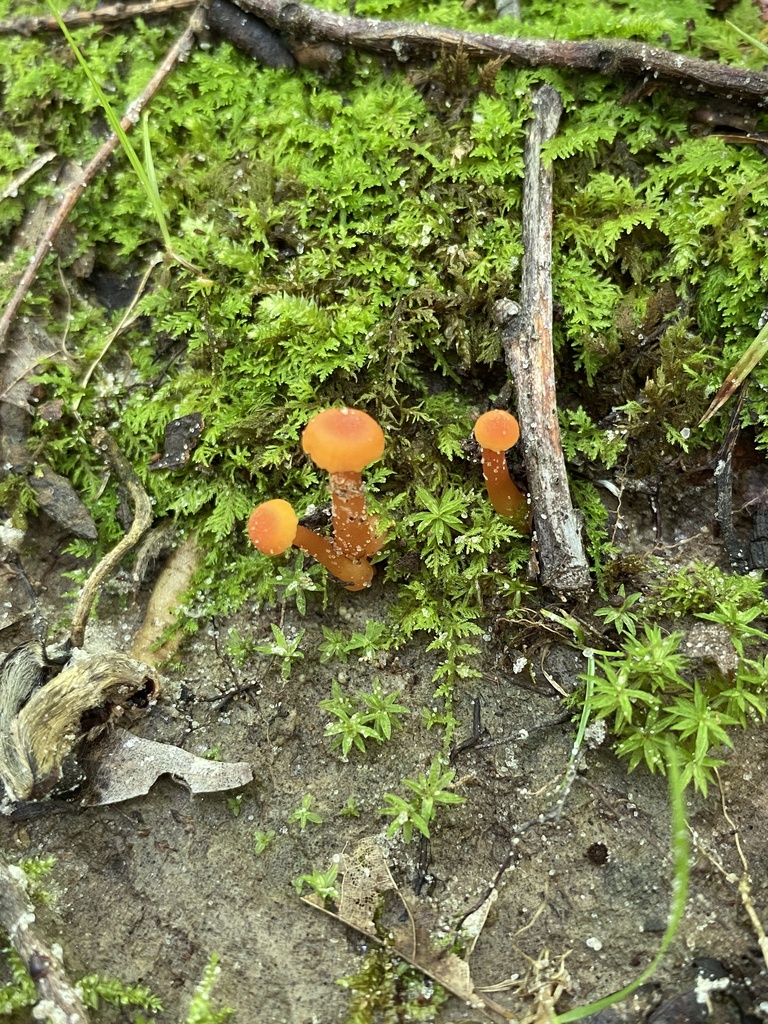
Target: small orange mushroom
<point>344,441</point>
<point>495,432</point>
<point>274,526</point>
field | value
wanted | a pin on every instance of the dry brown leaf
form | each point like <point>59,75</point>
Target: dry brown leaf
<point>367,880</point>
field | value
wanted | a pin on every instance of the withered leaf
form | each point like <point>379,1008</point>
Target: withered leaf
<point>122,766</point>
<point>366,880</point>
<point>172,583</point>
<point>56,496</point>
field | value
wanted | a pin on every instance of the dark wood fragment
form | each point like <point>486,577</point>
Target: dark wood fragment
<point>249,34</point>
<point>56,496</point>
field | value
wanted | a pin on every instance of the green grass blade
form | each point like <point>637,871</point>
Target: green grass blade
<point>738,374</point>
<point>681,863</point>
<point>751,39</point>
<point>114,122</point>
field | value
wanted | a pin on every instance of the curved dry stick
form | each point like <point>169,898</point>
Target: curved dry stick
<point>611,57</point>
<point>59,999</point>
<point>179,51</point>
<point>142,520</point>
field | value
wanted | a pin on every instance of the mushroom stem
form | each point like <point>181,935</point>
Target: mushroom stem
<point>354,574</point>
<point>354,530</point>
<point>505,497</point>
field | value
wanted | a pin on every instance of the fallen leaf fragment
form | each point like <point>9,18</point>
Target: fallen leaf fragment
<point>122,766</point>
<point>56,496</point>
<point>366,880</point>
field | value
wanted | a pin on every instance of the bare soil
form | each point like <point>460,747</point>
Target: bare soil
<point>148,889</point>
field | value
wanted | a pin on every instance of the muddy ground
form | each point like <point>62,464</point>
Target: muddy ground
<point>146,890</point>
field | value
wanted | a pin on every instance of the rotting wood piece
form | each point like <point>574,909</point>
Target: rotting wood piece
<point>526,333</point>
<point>300,22</point>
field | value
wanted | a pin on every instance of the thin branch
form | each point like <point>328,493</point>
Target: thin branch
<point>526,334</point>
<point>28,25</point>
<point>745,884</point>
<point>178,52</point>
<point>610,57</point>
<point>142,520</point>
<point>11,190</point>
<point>59,999</point>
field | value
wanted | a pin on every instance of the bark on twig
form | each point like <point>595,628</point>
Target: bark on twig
<point>179,51</point>
<point>59,1000</point>
<point>526,333</point>
<point>28,25</point>
<point>610,57</point>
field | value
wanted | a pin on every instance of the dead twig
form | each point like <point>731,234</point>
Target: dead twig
<point>142,520</point>
<point>610,57</point>
<point>743,882</point>
<point>59,999</point>
<point>28,25</point>
<point>526,334</point>
<point>178,52</point>
<point>11,190</point>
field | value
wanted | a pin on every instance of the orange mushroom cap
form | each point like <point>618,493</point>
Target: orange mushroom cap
<point>272,526</point>
<point>343,440</point>
<point>497,430</point>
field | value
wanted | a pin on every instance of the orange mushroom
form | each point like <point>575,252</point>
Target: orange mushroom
<point>495,432</point>
<point>344,441</point>
<point>274,526</point>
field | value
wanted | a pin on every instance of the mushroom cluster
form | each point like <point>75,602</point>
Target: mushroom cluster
<point>343,442</point>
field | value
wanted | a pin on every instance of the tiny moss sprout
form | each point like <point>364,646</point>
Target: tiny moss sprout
<point>235,804</point>
<point>430,791</point>
<point>286,651</point>
<point>373,717</point>
<point>350,809</point>
<point>322,883</point>
<point>262,841</point>
<point>304,815</point>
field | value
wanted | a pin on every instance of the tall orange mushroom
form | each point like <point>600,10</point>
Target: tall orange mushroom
<point>344,441</point>
<point>497,431</point>
<point>274,526</point>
